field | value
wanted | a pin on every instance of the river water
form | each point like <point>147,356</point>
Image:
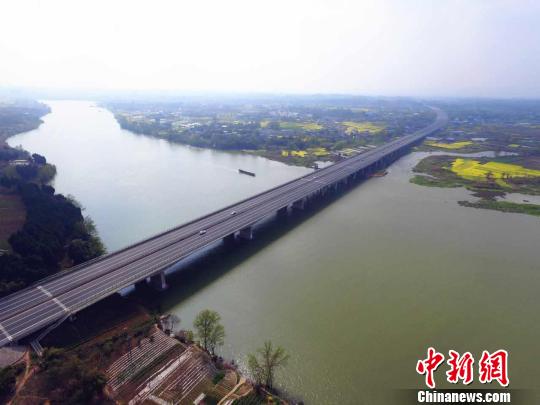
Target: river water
<point>355,293</point>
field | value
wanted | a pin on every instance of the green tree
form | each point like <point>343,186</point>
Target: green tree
<point>8,378</point>
<point>265,362</point>
<point>209,330</point>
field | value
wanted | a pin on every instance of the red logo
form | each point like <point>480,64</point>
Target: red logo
<point>429,366</point>
<point>494,367</point>
<point>491,367</point>
<point>461,368</point>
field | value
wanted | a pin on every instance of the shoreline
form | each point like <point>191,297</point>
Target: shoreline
<point>434,171</point>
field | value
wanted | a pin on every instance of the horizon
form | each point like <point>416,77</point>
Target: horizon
<point>44,94</point>
<point>389,48</point>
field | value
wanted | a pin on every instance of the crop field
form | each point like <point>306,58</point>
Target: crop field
<point>307,126</point>
<point>474,170</point>
<point>370,127</point>
<point>299,153</point>
<point>317,152</point>
<point>452,146</point>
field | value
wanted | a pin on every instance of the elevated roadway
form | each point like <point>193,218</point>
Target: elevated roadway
<point>55,298</point>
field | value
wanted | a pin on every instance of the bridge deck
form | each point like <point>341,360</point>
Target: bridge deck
<point>43,303</point>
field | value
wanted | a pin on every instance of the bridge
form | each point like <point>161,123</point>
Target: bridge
<point>50,301</point>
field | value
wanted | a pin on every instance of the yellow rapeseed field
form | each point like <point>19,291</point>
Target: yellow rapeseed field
<point>454,145</point>
<point>370,127</point>
<point>474,170</point>
<point>303,153</point>
<point>318,151</point>
<point>300,153</point>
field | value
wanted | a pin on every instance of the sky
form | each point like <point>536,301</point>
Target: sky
<point>485,48</point>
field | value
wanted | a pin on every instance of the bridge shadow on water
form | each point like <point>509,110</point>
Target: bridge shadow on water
<point>209,265</point>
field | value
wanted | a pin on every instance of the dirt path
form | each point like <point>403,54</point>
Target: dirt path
<point>28,372</point>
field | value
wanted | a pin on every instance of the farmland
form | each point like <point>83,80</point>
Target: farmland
<point>451,145</point>
<point>362,127</point>
<point>294,130</point>
<point>474,170</point>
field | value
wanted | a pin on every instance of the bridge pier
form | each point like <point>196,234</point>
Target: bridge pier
<point>229,239</point>
<point>282,212</point>
<point>158,281</point>
<point>141,285</point>
<point>246,233</point>
<point>300,204</point>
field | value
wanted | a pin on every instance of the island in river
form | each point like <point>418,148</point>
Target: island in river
<point>510,130</point>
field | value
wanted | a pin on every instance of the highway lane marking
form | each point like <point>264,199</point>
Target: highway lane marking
<point>315,181</point>
<point>5,332</point>
<point>47,293</point>
<point>57,301</point>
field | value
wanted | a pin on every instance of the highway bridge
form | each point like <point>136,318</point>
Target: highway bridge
<point>52,300</point>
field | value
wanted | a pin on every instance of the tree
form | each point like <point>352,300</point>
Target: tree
<point>39,159</point>
<point>8,378</point>
<point>174,321</point>
<point>209,330</point>
<point>265,362</point>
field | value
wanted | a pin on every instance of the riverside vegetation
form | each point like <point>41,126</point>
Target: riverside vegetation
<point>54,234</point>
<point>509,129</point>
<point>299,130</point>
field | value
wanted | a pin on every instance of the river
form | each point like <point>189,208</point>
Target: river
<point>355,293</point>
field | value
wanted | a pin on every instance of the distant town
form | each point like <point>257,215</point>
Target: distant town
<point>302,131</point>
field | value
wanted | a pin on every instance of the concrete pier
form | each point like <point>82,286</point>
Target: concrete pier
<point>246,233</point>
<point>229,239</point>
<point>282,212</point>
<point>158,281</point>
<point>300,204</point>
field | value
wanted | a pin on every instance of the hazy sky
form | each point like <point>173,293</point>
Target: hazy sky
<point>389,47</point>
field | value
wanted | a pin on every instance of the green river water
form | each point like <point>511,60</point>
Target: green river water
<point>355,292</point>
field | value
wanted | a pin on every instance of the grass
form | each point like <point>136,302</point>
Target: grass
<point>450,146</point>
<point>306,126</point>
<point>504,206</point>
<point>359,127</point>
<point>474,170</point>
<point>434,181</point>
<point>318,152</point>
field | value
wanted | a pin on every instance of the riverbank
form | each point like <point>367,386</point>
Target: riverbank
<point>296,131</point>
<point>41,232</point>
<point>20,116</point>
<point>117,351</point>
<point>486,178</point>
